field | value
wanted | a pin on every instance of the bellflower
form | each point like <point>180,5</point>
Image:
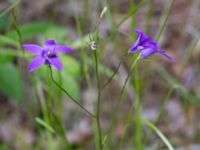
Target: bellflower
<point>146,46</point>
<point>47,54</point>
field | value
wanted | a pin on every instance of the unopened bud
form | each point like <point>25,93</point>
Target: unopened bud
<point>103,12</point>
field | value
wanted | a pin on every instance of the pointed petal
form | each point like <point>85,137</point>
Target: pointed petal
<point>134,47</point>
<point>56,62</point>
<point>162,52</point>
<point>50,43</point>
<point>35,49</point>
<point>63,48</point>
<point>143,35</point>
<point>37,62</point>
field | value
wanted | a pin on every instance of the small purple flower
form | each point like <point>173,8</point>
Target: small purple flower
<point>146,46</point>
<point>47,54</point>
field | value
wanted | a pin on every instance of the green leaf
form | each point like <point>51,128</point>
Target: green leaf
<point>5,40</point>
<point>159,133</point>
<point>44,124</point>
<point>70,76</point>
<point>71,66</point>
<point>4,22</point>
<point>10,81</point>
<point>105,139</point>
<point>29,30</point>
<point>6,58</point>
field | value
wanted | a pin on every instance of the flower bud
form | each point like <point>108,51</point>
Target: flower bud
<point>103,12</point>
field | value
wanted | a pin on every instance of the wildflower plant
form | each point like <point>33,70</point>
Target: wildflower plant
<point>49,55</point>
<point>144,47</point>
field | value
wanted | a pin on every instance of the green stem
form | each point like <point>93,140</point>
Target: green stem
<point>15,22</point>
<point>10,8</point>
<point>98,102</point>
<point>138,123</point>
<point>127,78</point>
<point>121,94</point>
<point>166,99</point>
<point>46,116</point>
<point>75,101</point>
<point>111,78</point>
<point>164,22</point>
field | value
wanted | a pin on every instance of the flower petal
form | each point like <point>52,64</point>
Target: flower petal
<point>62,48</point>
<point>162,52</point>
<point>134,47</point>
<point>143,35</point>
<point>35,49</point>
<point>147,52</point>
<point>37,62</point>
<point>55,61</point>
<point>50,43</point>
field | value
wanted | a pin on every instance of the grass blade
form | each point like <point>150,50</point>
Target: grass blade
<point>44,124</point>
<point>159,133</point>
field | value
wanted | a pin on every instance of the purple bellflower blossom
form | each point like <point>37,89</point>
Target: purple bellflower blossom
<point>47,54</point>
<point>147,47</point>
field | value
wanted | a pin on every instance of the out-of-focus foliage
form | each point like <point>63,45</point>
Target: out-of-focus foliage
<point>10,81</point>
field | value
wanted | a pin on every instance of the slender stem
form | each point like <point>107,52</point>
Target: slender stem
<point>162,107</point>
<point>164,22</point>
<point>98,101</point>
<point>15,22</point>
<point>111,78</point>
<point>127,78</point>
<point>121,94</point>
<point>138,123</point>
<point>10,8</point>
<point>114,73</point>
<point>45,113</point>
<point>75,101</point>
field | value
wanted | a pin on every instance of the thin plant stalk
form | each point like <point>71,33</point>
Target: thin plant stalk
<point>164,20</point>
<point>46,116</point>
<point>75,101</point>
<point>10,8</point>
<point>121,95</point>
<point>166,99</point>
<point>127,124</point>
<point>113,75</point>
<point>138,122</point>
<point>111,78</point>
<point>98,102</point>
<point>127,79</point>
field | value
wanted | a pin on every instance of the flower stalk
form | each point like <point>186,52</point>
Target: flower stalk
<point>75,101</point>
<point>98,102</point>
<point>127,78</point>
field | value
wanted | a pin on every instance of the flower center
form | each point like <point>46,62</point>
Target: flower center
<point>51,55</point>
<point>48,53</point>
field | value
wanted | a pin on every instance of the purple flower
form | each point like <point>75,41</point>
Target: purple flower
<point>146,46</point>
<point>47,54</point>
